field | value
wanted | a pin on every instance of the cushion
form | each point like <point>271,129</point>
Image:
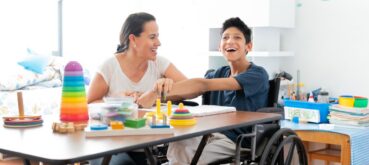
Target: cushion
<point>35,63</point>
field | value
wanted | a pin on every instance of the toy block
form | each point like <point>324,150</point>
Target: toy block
<point>69,127</point>
<point>115,125</point>
<point>135,123</point>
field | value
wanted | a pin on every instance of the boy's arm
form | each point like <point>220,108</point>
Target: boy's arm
<point>192,88</point>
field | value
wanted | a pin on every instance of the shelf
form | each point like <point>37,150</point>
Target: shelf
<point>260,54</point>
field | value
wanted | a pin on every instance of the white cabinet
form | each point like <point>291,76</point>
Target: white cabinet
<point>265,17</point>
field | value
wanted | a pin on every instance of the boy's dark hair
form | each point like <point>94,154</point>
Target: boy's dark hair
<point>240,25</point>
<point>133,25</point>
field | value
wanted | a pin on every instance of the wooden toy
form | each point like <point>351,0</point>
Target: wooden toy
<point>73,103</point>
<point>22,121</point>
<point>69,127</point>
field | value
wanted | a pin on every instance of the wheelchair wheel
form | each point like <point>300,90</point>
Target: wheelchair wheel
<point>274,151</point>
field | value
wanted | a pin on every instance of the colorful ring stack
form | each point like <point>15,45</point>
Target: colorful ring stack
<point>182,117</point>
<point>22,122</point>
<point>73,102</point>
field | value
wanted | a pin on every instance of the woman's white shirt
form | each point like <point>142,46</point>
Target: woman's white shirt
<point>118,82</point>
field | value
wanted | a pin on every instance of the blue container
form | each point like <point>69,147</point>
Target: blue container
<point>306,111</point>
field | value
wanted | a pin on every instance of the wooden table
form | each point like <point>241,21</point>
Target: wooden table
<point>343,156</point>
<point>41,144</point>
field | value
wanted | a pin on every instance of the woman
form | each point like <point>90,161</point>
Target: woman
<point>135,67</point>
<point>133,70</point>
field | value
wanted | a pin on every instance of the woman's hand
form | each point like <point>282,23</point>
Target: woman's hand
<point>134,94</point>
<point>163,85</point>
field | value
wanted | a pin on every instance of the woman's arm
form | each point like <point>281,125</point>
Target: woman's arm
<point>173,73</point>
<point>97,90</point>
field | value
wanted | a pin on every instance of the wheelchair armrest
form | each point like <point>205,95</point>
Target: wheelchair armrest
<point>271,110</point>
<point>187,103</point>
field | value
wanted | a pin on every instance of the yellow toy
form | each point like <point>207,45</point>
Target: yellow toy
<point>182,117</point>
<point>169,105</point>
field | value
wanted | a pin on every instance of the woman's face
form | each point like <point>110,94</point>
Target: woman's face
<point>148,42</point>
<point>233,44</point>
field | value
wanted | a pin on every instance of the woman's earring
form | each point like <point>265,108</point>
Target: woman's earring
<point>134,45</point>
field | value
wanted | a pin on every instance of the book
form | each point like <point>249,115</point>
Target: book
<point>336,107</point>
<point>206,110</point>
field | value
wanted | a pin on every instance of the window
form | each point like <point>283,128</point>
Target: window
<point>28,24</point>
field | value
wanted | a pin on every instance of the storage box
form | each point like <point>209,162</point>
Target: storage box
<point>306,111</point>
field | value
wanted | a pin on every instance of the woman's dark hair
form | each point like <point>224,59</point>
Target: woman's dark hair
<point>133,25</point>
<point>240,25</point>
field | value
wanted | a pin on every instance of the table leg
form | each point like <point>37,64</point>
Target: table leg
<point>26,162</point>
<point>346,152</point>
<point>200,148</point>
<point>150,156</point>
<point>106,160</point>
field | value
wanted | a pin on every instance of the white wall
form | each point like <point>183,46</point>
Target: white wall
<point>329,38</point>
<point>92,31</point>
<point>330,41</point>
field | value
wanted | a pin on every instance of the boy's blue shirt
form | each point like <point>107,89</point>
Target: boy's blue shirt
<point>253,95</point>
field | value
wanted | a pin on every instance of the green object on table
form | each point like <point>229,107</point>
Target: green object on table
<point>135,123</point>
<point>361,102</point>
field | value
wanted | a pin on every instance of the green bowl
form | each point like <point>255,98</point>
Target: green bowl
<point>360,102</point>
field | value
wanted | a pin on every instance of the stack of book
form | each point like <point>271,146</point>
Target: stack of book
<point>343,115</point>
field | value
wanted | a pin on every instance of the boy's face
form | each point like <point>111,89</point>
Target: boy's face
<point>233,44</point>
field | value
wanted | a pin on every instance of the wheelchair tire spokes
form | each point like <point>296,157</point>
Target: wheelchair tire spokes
<point>273,152</point>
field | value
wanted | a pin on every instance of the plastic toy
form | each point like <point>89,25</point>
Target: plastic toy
<point>116,125</point>
<point>182,117</point>
<point>135,123</point>
<point>73,103</point>
<point>155,124</point>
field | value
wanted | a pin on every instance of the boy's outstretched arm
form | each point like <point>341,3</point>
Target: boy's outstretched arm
<point>191,88</point>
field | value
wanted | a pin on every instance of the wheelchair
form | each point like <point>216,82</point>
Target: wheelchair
<point>268,143</point>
